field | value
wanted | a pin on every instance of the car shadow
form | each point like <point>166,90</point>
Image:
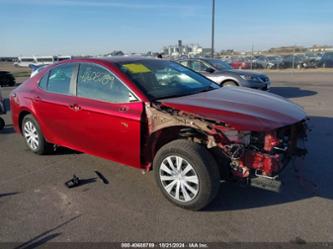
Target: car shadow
<point>310,177</point>
<point>8,194</point>
<point>44,237</point>
<point>8,129</point>
<point>64,151</point>
<point>292,92</point>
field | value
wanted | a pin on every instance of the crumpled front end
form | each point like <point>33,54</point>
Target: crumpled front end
<point>252,157</point>
<point>263,155</point>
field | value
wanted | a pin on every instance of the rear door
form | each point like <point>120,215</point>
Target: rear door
<point>52,103</point>
<point>107,115</point>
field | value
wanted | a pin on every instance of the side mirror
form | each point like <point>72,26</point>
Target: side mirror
<point>210,70</point>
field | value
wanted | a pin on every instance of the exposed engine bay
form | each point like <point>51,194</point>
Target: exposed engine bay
<point>254,157</point>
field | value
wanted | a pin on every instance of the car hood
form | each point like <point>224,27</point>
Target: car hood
<point>242,108</point>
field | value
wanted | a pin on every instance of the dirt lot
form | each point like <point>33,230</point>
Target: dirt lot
<point>36,206</point>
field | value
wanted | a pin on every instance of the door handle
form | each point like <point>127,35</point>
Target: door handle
<point>123,108</point>
<point>36,99</point>
<point>75,107</point>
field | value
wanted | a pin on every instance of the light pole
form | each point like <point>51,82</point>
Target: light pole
<point>213,27</point>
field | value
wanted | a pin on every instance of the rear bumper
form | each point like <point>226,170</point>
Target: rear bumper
<point>258,85</point>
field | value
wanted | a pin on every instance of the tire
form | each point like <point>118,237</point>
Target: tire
<point>2,124</point>
<point>197,181</point>
<point>33,136</point>
<point>230,83</point>
<point>12,83</point>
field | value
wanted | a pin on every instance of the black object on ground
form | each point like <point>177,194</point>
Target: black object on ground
<point>104,180</point>
<point>74,182</point>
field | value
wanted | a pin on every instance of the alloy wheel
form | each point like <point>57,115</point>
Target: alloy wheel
<point>31,135</point>
<point>179,178</point>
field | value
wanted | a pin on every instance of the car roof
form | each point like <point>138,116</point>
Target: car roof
<point>116,59</point>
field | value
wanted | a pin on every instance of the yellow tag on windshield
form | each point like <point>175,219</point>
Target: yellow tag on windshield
<point>137,68</point>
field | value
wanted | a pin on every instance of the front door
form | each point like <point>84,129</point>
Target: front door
<point>108,116</point>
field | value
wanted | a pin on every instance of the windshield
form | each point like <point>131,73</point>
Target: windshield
<point>219,64</point>
<point>164,79</point>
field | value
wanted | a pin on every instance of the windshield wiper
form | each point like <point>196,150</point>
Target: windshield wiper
<point>206,89</point>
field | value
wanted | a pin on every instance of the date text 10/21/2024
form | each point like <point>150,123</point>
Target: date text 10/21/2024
<point>164,245</point>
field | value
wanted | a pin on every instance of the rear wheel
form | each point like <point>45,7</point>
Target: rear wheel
<point>34,137</point>
<point>187,174</point>
<point>229,83</point>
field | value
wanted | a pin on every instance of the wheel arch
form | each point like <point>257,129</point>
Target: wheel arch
<point>165,135</point>
<point>21,116</point>
<point>233,80</point>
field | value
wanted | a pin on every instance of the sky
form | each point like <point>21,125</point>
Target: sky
<point>73,27</point>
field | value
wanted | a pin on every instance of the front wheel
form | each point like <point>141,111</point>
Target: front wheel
<point>34,137</point>
<point>187,174</point>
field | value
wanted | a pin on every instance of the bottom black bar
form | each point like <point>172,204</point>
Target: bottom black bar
<point>203,245</point>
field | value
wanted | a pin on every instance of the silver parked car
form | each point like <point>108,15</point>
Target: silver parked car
<point>223,74</point>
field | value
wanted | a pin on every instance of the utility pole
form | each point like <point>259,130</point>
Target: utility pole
<point>213,27</point>
<point>252,56</point>
<point>293,61</point>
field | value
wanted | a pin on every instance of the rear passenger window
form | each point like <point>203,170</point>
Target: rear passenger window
<point>198,66</point>
<point>95,82</point>
<point>60,79</point>
<point>43,82</point>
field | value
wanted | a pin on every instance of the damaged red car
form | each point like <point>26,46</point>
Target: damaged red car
<point>159,115</point>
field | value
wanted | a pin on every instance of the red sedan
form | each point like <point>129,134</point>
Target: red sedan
<point>156,114</point>
<point>239,64</point>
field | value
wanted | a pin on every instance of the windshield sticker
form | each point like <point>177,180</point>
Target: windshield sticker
<point>96,77</point>
<point>137,68</point>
